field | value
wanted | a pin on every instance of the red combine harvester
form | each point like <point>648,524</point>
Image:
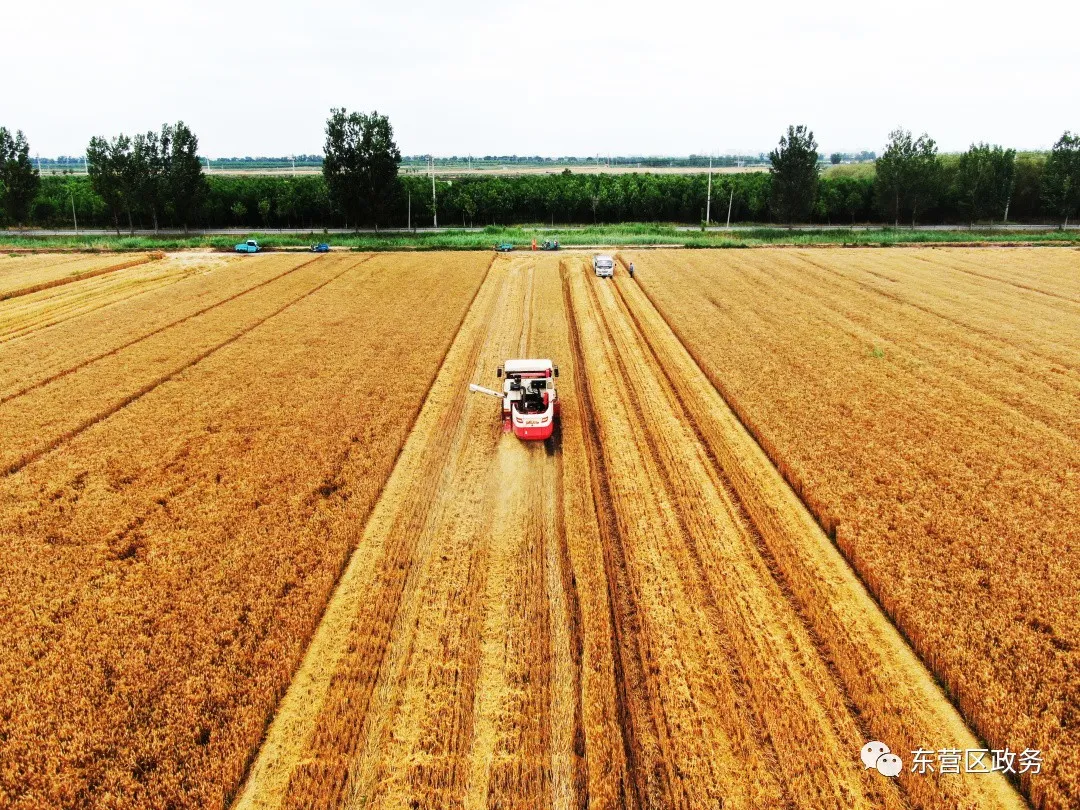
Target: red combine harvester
<point>530,403</point>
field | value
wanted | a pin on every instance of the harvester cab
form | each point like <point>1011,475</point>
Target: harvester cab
<point>530,403</point>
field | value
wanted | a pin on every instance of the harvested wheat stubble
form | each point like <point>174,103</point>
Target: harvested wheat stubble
<point>928,416</point>
<point>604,621</point>
<point>164,568</point>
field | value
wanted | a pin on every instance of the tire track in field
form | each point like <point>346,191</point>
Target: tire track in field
<point>68,435</point>
<point>642,737</point>
<point>390,632</point>
<point>736,698</point>
<point>60,282</point>
<point>607,745</point>
<point>569,778</point>
<point>527,314</point>
<point>559,602</point>
<point>444,704</point>
<point>758,684</point>
<point>690,413</point>
<point>696,573</point>
<point>89,361</point>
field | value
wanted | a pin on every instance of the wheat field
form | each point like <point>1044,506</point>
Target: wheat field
<point>263,549</point>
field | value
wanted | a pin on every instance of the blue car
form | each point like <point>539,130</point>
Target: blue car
<point>250,246</point>
<point>322,247</point>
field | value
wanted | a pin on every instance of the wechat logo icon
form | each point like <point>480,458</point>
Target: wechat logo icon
<point>877,755</point>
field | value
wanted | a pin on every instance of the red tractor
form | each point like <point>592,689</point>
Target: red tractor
<point>530,403</point>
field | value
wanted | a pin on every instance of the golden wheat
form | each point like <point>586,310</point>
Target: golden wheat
<point>923,403</point>
<point>164,567</point>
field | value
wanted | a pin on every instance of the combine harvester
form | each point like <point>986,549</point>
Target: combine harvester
<point>530,403</point>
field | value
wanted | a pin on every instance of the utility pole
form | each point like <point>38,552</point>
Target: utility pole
<point>708,201</point>
<point>409,227</point>
<point>294,165</point>
<point>730,199</point>
<point>72,191</point>
<point>434,212</point>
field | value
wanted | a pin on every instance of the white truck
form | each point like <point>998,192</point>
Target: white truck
<point>603,265</point>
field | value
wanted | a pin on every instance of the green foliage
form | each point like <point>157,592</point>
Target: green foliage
<point>153,174</point>
<point>303,201</point>
<point>794,175</point>
<point>361,164</point>
<point>19,179</point>
<point>844,197</point>
<point>57,195</point>
<point>107,166</point>
<point>835,158</point>
<point>908,175</point>
<point>184,181</point>
<point>1027,202</point>
<point>1061,181</point>
<point>984,181</point>
<point>148,170</point>
<point>863,170</point>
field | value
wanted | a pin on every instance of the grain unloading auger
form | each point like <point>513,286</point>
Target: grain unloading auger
<point>530,403</point>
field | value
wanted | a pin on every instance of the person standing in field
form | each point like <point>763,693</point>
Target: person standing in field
<point>631,269</point>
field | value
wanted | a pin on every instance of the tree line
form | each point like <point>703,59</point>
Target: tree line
<point>985,183</point>
<point>156,174</point>
<point>155,179</point>
<point>913,183</point>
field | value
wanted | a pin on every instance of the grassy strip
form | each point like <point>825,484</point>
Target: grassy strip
<point>641,235</point>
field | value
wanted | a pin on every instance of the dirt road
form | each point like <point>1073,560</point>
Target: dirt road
<point>637,613</point>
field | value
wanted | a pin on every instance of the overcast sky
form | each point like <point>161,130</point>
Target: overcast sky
<point>551,78</point>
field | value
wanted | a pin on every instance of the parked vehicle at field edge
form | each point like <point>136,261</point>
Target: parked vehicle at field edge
<point>603,265</point>
<point>322,247</point>
<point>250,246</point>
<point>504,247</point>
